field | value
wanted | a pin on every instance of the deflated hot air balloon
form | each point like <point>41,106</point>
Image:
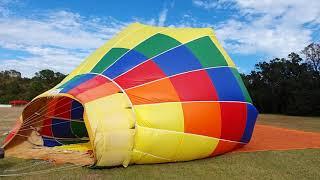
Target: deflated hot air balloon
<point>149,95</point>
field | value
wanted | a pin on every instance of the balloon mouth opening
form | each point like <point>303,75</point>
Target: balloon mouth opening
<point>52,125</point>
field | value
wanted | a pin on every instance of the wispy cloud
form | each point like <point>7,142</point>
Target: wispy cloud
<point>56,40</point>
<point>3,7</point>
<point>162,17</point>
<point>213,4</point>
<point>60,40</point>
<point>275,28</point>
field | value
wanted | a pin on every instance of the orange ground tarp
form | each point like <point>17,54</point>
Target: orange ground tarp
<point>267,138</point>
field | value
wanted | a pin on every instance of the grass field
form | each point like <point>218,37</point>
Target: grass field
<point>293,164</point>
<point>311,124</point>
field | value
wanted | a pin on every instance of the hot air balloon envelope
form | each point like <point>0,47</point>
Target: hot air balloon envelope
<point>149,95</point>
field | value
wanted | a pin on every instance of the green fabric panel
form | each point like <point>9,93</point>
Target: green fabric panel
<point>79,129</point>
<point>206,52</point>
<point>156,44</point>
<point>108,59</point>
<point>241,84</point>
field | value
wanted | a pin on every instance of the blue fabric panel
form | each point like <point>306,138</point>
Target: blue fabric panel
<point>77,110</point>
<point>252,114</point>
<point>226,84</point>
<point>73,79</point>
<point>177,60</point>
<point>49,142</point>
<point>126,62</point>
<point>62,128</point>
<point>76,81</point>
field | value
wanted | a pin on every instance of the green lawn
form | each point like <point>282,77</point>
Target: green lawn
<point>296,164</point>
<point>311,124</point>
<point>293,164</point>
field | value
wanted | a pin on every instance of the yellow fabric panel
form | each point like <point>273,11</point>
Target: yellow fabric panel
<point>50,92</point>
<point>139,36</point>
<point>223,52</point>
<point>137,156</point>
<point>110,113</point>
<point>167,116</point>
<point>114,147</point>
<point>185,35</point>
<point>156,145</point>
<point>111,121</point>
<point>76,147</point>
<point>88,127</point>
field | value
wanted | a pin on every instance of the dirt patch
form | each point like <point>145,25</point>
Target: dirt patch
<point>266,138</point>
<point>27,150</point>
<point>8,117</point>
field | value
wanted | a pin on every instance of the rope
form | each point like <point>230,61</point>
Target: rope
<point>26,167</point>
<point>42,109</point>
<point>28,124</point>
<point>60,138</point>
<point>53,124</point>
<point>37,113</point>
<point>50,105</point>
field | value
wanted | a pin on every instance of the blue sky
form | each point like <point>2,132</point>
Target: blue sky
<point>53,34</point>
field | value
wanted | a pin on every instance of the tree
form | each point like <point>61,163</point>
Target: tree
<point>13,86</point>
<point>312,54</point>
<point>12,73</point>
<point>286,86</point>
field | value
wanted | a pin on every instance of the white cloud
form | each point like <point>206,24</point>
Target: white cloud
<point>44,58</point>
<point>162,17</point>
<point>61,40</point>
<point>271,27</point>
<point>62,29</point>
<point>213,4</point>
<point>56,40</point>
<point>253,38</point>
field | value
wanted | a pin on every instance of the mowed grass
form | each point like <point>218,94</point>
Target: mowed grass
<point>311,124</point>
<point>293,164</point>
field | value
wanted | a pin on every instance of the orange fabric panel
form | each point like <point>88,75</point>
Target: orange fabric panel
<point>225,146</point>
<point>103,90</point>
<point>155,92</point>
<point>203,118</point>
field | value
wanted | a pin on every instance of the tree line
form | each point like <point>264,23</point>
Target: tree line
<point>15,87</point>
<point>288,85</point>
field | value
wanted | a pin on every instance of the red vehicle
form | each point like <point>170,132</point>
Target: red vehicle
<point>18,102</point>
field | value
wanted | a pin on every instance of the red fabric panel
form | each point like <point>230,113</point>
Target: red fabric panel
<point>13,132</point>
<point>103,90</point>
<point>87,85</point>
<point>63,108</point>
<point>146,72</point>
<point>194,86</point>
<point>46,125</point>
<point>233,116</point>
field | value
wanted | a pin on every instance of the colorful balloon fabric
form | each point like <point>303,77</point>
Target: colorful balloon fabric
<point>149,95</point>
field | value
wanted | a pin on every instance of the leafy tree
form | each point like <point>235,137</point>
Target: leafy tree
<point>13,86</point>
<point>287,86</point>
<point>312,54</point>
